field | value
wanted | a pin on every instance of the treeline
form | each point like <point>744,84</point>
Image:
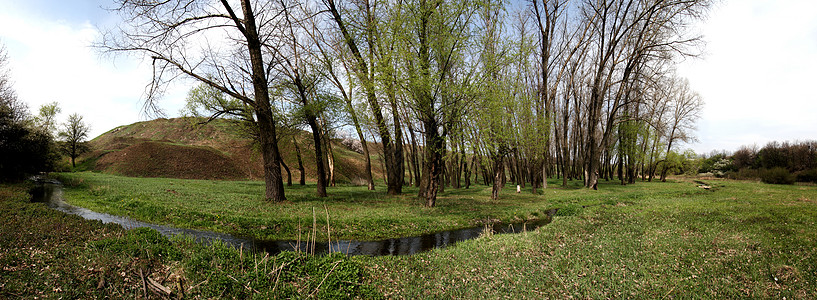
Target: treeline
<point>449,89</point>
<point>775,162</point>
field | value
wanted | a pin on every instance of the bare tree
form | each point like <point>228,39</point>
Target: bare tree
<point>302,79</point>
<point>213,43</point>
<point>685,109</point>
<point>626,35</point>
<point>11,108</point>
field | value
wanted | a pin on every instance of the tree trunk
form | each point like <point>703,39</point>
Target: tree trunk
<point>369,177</point>
<point>289,174</point>
<point>397,173</point>
<point>432,165</point>
<point>498,176</point>
<point>467,171</point>
<point>266,123</point>
<point>408,165</point>
<point>415,160</point>
<point>302,181</point>
<point>316,139</point>
<point>330,154</point>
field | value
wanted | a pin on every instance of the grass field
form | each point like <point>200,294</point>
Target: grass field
<point>238,207</point>
<point>48,254</point>
<point>742,240</point>
<point>648,240</point>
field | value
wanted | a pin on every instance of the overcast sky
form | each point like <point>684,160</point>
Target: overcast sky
<point>757,77</point>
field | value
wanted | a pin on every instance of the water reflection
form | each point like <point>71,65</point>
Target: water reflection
<point>50,192</point>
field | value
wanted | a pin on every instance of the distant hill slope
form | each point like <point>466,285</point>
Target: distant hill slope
<point>182,148</point>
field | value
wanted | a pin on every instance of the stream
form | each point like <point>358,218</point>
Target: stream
<point>50,193</point>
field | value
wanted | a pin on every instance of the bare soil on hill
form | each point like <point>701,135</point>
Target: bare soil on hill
<point>161,159</point>
<point>184,148</point>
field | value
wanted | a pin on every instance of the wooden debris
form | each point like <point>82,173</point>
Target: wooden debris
<point>158,288</point>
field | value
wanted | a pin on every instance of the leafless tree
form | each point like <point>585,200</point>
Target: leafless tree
<point>685,109</point>
<point>626,35</point>
<point>209,41</point>
<point>10,106</point>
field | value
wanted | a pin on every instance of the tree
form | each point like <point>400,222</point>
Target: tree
<point>47,117</point>
<point>73,134</point>
<point>346,94</point>
<point>24,149</point>
<point>8,97</point>
<point>627,35</point>
<point>214,44</point>
<point>302,83</point>
<point>364,69</point>
<point>685,106</point>
<point>493,112</point>
<point>436,35</point>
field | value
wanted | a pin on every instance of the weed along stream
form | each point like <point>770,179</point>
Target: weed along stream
<point>50,192</point>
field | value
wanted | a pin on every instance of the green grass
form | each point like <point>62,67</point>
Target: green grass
<point>45,253</point>
<point>238,207</point>
<point>650,240</point>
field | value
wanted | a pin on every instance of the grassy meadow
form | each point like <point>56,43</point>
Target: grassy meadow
<point>738,240</point>
<point>239,208</point>
<point>647,240</point>
<point>45,253</point>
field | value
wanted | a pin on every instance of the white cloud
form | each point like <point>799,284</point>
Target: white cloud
<point>54,61</point>
<point>757,78</point>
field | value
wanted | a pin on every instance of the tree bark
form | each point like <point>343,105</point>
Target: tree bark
<point>499,175</point>
<point>302,181</point>
<point>316,140</point>
<point>330,154</point>
<point>266,123</point>
<point>289,174</point>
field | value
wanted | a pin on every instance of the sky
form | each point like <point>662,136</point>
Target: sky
<point>757,75</point>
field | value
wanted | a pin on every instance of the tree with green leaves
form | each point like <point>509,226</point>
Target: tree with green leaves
<point>365,63</point>
<point>436,34</point>
<point>46,119</point>
<point>73,135</point>
<point>493,111</point>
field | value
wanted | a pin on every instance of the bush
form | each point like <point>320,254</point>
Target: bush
<point>352,144</point>
<point>807,176</point>
<point>776,176</point>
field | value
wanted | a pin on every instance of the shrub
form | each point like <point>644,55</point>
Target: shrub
<point>352,144</point>
<point>776,176</point>
<point>807,176</point>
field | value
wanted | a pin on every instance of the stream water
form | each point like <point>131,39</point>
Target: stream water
<point>50,192</point>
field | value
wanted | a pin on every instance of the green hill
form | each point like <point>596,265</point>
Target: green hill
<point>183,148</point>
